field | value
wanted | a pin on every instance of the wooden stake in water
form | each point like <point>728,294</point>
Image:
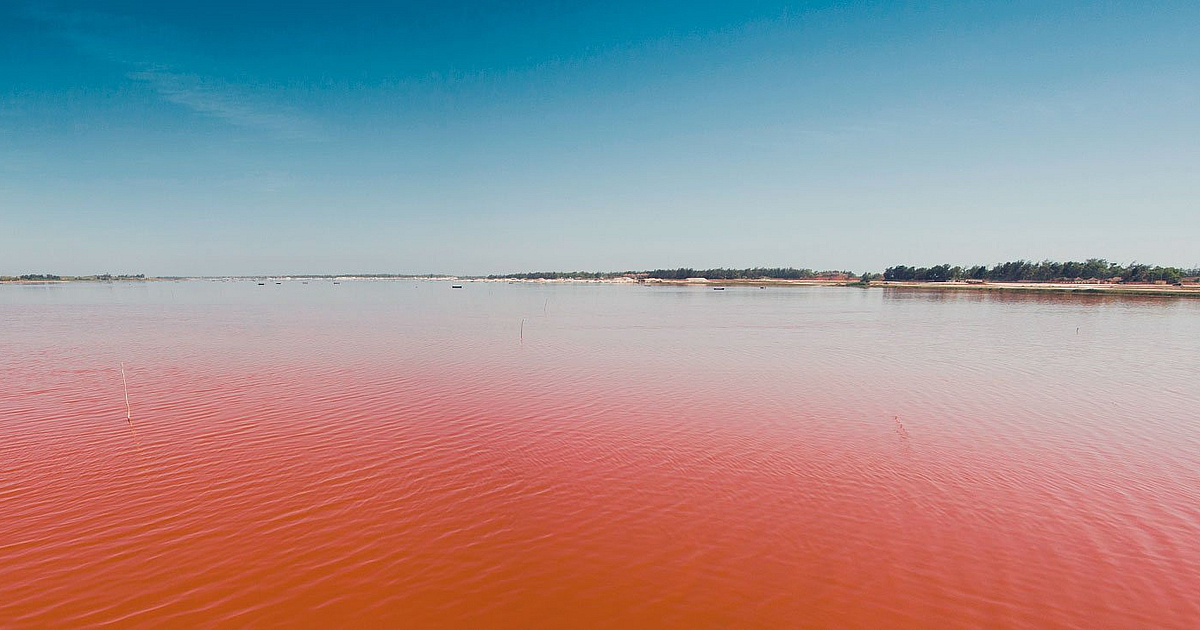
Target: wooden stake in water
<point>125,384</point>
<point>522,330</point>
<point>128,410</point>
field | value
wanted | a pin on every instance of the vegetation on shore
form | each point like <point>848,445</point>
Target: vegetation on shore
<point>1097,269</point>
<point>866,279</point>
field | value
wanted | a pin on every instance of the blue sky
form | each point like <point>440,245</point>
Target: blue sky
<point>242,137</point>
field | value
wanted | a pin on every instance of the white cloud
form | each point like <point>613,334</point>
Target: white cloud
<point>142,49</point>
<point>215,98</point>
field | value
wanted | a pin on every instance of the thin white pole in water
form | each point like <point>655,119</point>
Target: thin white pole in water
<point>125,384</point>
<point>128,411</point>
<point>522,330</point>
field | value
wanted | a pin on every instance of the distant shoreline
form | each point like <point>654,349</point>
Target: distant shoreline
<point>1140,289</point>
<point>1045,287</point>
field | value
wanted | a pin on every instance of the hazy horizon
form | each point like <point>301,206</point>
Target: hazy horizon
<point>235,138</point>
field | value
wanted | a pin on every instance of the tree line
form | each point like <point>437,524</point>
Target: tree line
<point>1044,271</point>
<point>1012,271</point>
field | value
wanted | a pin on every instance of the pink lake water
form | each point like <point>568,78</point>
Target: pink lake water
<point>395,454</point>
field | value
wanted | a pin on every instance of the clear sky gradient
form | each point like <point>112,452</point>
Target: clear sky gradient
<point>257,137</point>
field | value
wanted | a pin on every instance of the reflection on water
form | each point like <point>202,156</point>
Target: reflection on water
<point>396,453</point>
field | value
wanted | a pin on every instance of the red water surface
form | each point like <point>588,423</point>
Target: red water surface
<point>393,454</point>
